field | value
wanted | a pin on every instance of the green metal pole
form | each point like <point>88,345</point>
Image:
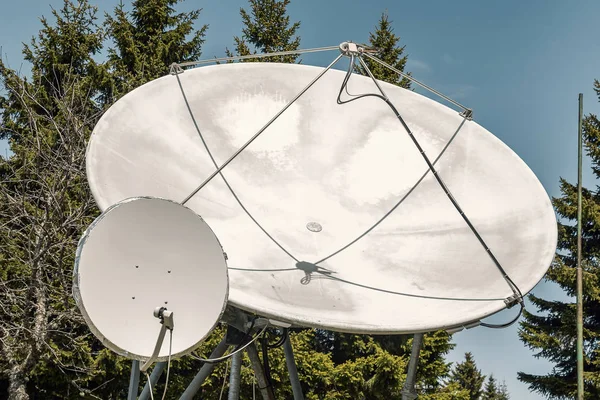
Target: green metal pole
<point>579,270</point>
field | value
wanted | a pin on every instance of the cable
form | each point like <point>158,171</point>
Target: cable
<point>246,334</point>
<point>225,357</point>
<point>261,55</point>
<point>266,367</point>
<point>365,233</point>
<point>219,169</point>
<point>224,379</point>
<point>507,324</point>
<point>281,341</point>
<point>264,270</point>
<point>343,88</point>
<point>168,363</point>
<point>149,385</point>
<point>235,196</point>
<point>424,86</point>
<point>384,97</point>
<point>257,134</point>
<point>510,282</point>
<point>419,296</point>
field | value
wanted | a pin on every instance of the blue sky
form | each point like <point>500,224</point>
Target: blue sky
<point>519,64</point>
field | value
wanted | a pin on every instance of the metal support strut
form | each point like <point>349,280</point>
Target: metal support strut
<point>134,380</point>
<point>235,377</point>
<point>204,372</point>
<point>154,376</point>
<point>265,388</point>
<point>291,366</point>
<point>166,320</point>
<point>408,391</point>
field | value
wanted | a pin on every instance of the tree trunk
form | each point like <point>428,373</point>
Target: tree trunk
<point>17,385</point>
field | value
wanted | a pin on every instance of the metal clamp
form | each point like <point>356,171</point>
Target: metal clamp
<point>348,49</point>
<point>513,300</point>
<point>166,320</point>
<point>468,114</point>
<point>175,69</point>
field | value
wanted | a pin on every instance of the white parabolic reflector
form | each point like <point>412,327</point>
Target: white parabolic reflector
<point>144,253</point>
<point>312,187</point>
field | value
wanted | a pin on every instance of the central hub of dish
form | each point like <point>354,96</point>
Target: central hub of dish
<point>314,227</point>
<point>307,267</point>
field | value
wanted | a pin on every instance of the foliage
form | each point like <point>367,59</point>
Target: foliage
<point>493,391</point>
<point>46,349</point>
<point>267,29</point>
<point>386,42</point>
<point>467,376</point>
<point>45,204</point>
<point>552,332</point>
<point>148,40</point>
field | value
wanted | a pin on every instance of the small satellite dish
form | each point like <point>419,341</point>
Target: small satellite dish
<point>331,218</point>
<point>142,254</point>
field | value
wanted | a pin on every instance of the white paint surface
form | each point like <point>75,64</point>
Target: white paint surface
<point>344,167</point>
<point>146,253</point>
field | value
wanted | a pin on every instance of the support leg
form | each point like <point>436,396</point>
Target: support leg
<point>134,380</point>
<point>291,366</point>
<point>204,372</point>
<point>235,377</point>
<point>159,367</point>
<point>265,389</point>
<point>408,391</point>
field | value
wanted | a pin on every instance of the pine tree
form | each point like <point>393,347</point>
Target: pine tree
<point>47,350</point>
<point>45,204</point>
<point>552,332</point>
<point>149,39</point>
<point>492,391</point>
<point>267,29</point>
<point>469,377</point>
<point>386,42</point>
<point>503,392</point>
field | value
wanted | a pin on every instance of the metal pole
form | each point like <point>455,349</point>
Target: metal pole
<point>159,367</point>
<point>235,377</point>
<point>204,372</point>
<point>134,380</point>
<point>580,388</point>
<point>265,389</point>
<point>291,366</point>
<point>408,391</point>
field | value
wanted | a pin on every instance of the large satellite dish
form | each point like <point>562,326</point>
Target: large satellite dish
<point>144,253</point>
<point>331,218</point>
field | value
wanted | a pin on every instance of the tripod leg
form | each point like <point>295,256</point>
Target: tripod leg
<point>291,366</point>
<point>265,389</point>
<point>235,377</point>
<point>408,391</point>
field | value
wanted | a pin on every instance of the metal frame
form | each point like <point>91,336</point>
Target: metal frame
<point>134,380</point>
<point>291,366</point>
<point>235,377</point>
<point>159,367</point>
<point>263,386</point>
<point>204,372</point>
<point>238,318</point>
<point>408,391</point>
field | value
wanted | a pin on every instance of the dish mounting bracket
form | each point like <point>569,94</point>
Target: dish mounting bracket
<point>166,320</point>
<point>513,300</point>
<point>349,49</point>
<point>175,69</point>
